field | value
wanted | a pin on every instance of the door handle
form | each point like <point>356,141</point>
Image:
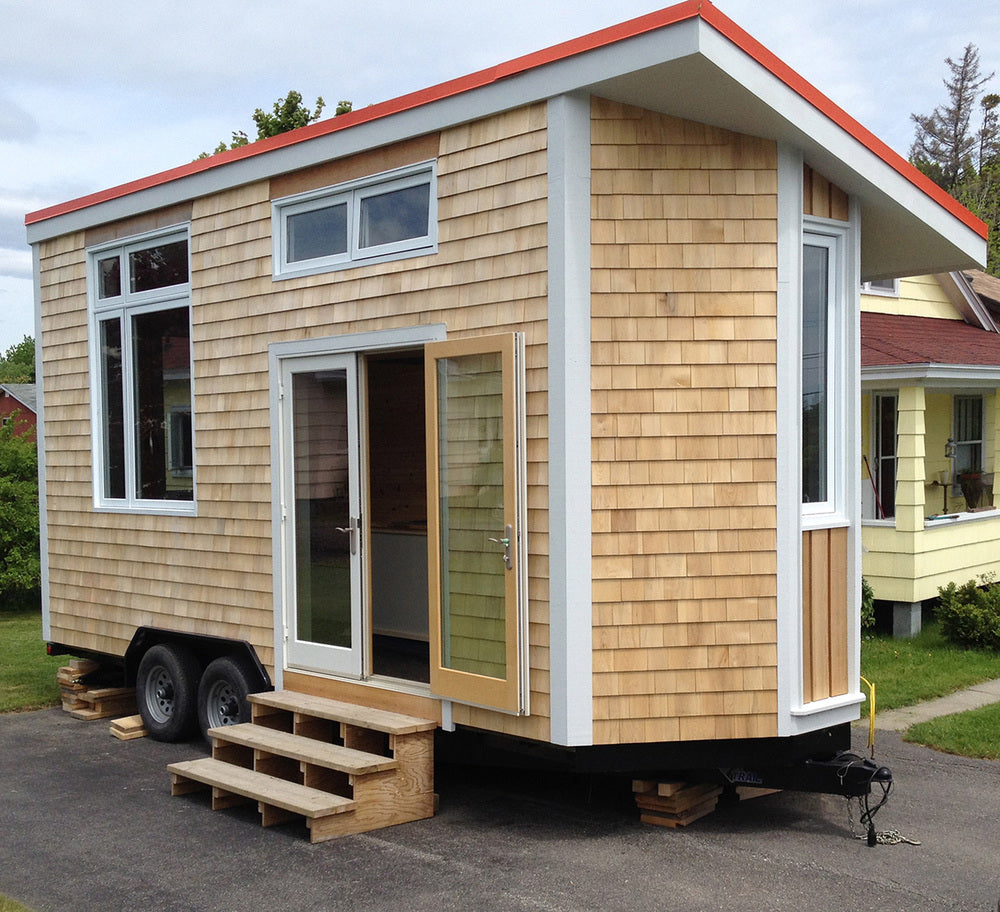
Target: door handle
<point>351,530</point>
<point>508,560</point>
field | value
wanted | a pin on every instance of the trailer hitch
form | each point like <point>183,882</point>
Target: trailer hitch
<point>844,774</point>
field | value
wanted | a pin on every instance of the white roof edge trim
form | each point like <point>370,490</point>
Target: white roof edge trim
<point>562,77</point>
<point>947,373</point>
<point>965,300</point>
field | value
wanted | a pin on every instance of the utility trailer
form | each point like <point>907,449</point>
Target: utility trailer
<point>527,404</point>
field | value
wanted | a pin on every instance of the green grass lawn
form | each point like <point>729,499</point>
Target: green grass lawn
<point>975,733</point>
<point>927,666</point>
<point>10,905</point>
<point>27,674</point>
<point>910,671</point>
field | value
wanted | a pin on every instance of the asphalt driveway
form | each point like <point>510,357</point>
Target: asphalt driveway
<point>87,823</point>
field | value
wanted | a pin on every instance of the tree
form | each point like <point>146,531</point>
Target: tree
<point>18,363</point>
<point>945,144</point>
<point>287,113</point>
<point>961,158</point>
<point>20,565</point>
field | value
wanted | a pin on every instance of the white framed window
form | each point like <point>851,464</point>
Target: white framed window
<point>884,434</point>
<point>383,217</point>
<point>140,312</point>
<point>823,375</point>
<point>967,434</point>
<point>887,287</point>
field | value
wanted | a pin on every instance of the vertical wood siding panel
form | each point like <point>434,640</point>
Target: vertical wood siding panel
<point>839,683</point>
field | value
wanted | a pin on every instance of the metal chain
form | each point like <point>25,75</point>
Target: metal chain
<point>883,837</point>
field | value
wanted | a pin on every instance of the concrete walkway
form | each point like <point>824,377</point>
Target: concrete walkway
<point>972,698</point>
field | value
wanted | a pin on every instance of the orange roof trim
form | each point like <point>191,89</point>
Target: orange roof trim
<point>681,12</point>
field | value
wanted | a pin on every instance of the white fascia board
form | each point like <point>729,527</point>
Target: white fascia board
<point>956,376</point>
<point>540,83</point>
<point>965,300</point>
<point>844,159</point>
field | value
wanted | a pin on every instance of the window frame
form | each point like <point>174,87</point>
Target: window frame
<point>123,308</point>
<point>834,237</point>
<point>976,444</point>
<point>880,410</point>
<point>871,288</point>
<point>353,193</point>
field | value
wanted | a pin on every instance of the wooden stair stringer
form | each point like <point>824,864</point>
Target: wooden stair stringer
<point>375,768</point>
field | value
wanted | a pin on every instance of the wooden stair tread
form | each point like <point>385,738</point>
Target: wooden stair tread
<point>353,714</point>
<point>308,750</point>
<point>289,796</point>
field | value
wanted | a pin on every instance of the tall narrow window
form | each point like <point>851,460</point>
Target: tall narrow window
<point>144,451</point>
<point>823,371</point>
<point>884,454</point>
<point>815,372</point>
<point>968,434</point>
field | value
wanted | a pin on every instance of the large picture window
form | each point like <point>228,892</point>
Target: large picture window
<point>143,443</point>
<point>382,217</point>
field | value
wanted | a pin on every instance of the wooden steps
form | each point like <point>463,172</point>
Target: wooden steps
<point>343,767</point>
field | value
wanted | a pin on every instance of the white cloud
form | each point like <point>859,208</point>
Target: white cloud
<point>15,263</point>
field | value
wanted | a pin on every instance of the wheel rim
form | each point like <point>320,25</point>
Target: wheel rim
<point>159,695</point>
<point>222,705</point>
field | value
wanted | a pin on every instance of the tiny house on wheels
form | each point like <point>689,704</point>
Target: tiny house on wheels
<point>527,405</point>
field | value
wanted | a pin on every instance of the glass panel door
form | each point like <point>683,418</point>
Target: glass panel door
<point>475,535</point>
<point>321,505</point>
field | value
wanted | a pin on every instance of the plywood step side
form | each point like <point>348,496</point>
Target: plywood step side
<point>289,796</point>
<point>306,750</point>
<point>353,714</point>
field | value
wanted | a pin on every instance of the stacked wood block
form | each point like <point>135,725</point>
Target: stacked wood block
<point>83,700</point>
<point>341,767</point>
<point>105,702</point>
<point>71,682</point>
<point>128,728</point>
<point>674,804</point>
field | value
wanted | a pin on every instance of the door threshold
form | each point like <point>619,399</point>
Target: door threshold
<point>398,695</point>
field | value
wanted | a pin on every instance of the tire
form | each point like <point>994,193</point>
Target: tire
<point>222,693</point>
<point>166,690</point>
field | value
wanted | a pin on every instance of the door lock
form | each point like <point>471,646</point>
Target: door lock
<point>508,560</point>
<point>351,530</point>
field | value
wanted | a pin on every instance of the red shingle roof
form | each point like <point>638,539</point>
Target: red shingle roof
<point>891,339</point>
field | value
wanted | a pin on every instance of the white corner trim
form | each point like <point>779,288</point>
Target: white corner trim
<point>789,416</point>
<point>43,513</point>
<point>570,564</point>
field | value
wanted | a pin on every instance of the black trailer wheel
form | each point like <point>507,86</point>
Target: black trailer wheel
<point>166,687</point>
<point>222,693</point>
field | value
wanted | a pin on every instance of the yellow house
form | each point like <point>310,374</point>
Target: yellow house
<point>930,371</point>
<point>527,405</point>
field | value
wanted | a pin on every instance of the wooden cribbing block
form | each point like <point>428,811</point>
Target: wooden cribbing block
<point>128,728</point>
<point>675,804</point>
<point>104,702</point>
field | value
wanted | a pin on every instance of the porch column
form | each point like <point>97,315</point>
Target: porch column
<point>911,478</point>
<point>991,457</point>
<point>910,474</point>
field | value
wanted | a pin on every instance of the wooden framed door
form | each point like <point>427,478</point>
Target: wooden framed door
<point>476,530</point>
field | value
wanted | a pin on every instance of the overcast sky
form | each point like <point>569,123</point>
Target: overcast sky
<point>97,93</point>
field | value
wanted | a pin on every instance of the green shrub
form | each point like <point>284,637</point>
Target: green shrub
<point>20,568</point>
<point>867,605</point>
<point>969,614</point>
